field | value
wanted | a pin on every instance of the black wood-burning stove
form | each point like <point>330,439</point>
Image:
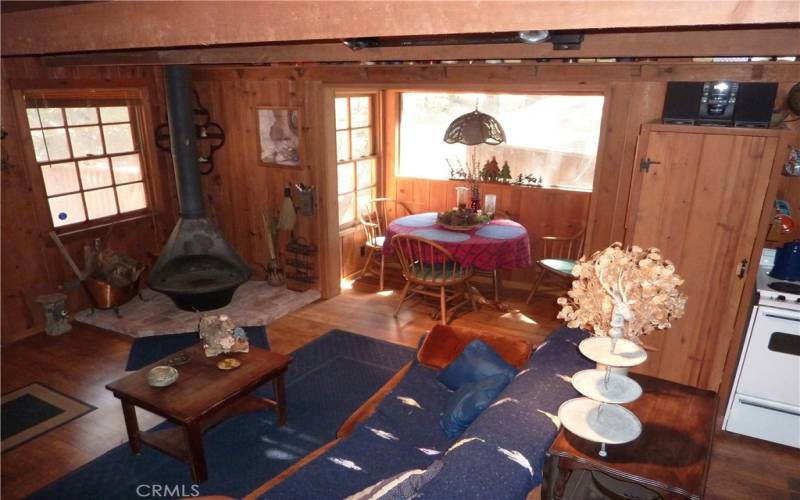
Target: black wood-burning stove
<point>197,268</point>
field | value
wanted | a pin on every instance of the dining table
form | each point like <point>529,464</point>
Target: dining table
<point>494,246</point>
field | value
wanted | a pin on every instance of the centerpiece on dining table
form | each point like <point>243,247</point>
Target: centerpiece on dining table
<point>463,217</point>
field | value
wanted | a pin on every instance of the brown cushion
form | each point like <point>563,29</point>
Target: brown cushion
<point>444,343</point>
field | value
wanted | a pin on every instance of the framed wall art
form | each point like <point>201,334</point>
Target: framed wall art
<point>279,136</point>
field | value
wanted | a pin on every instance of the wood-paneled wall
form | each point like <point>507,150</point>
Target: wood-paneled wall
<point>31,264</point>
<point>241,189</point>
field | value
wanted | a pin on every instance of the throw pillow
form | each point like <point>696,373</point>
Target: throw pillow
<point>469,401</point>
<point>399,487</point>
<point>477,361</point>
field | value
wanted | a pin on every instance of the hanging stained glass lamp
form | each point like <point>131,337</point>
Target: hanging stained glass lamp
<point>475,128</point>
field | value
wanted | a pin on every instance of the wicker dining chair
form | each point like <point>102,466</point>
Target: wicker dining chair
<point>559,256</point>
<point>427,265</point>
<point>374,217</point>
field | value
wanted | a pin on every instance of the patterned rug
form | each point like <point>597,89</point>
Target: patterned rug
<point>254,303</point>
<point>329,379</point>
<point>33,410</point>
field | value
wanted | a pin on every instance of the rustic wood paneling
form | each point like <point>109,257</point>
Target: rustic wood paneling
<point>694,207</point>
<point>31,265</point>
<point>241,189</point>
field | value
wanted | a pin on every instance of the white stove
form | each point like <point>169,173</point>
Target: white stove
<point>765,401</point>
<point>777,293</point>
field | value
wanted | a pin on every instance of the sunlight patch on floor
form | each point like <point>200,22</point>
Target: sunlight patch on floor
<point>346,284</point>
<point>516,315</point>
<point>386,293</point>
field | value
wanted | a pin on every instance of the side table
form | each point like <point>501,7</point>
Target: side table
<point>670,457</point>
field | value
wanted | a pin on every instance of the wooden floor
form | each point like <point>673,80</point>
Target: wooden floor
<point>81,362</point>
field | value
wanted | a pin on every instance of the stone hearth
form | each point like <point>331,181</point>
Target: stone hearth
<point>254,303</point>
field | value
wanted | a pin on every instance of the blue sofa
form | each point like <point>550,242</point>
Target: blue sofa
<point>500,455</point>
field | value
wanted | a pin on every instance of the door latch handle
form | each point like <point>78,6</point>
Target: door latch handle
<point>644,164</point>
<point>742,268</point>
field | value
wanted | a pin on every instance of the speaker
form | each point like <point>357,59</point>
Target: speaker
<point>754,104</point>
<point>682,103</point>
<point>720,103</point>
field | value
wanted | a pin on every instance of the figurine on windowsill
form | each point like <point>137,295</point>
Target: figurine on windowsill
<point>490,172</point>
<point>505,173</point>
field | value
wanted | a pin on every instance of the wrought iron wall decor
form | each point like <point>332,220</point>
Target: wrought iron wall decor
<point>210,136</point>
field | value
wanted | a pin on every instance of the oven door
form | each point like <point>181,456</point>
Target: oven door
<point>771,369</point>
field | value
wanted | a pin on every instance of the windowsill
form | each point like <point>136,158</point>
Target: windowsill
<point>67,233</point>
<point>524,186</point>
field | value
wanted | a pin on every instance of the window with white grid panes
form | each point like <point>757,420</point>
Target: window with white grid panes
<point>356,155</point>
<point>90,160</point>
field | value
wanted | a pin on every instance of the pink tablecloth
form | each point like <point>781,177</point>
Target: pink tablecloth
<point>500,244</point>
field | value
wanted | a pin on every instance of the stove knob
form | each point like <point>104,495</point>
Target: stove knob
<point>781,298</point>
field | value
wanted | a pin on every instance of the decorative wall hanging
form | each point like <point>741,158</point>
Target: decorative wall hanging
<point>210,136</point>
<point>279,136</point>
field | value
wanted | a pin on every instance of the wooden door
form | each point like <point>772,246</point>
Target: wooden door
<point>700,204</point>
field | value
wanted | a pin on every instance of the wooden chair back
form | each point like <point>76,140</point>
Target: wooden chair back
<point>376,214</point>
<point>563,247</point>
<point>419,256</point>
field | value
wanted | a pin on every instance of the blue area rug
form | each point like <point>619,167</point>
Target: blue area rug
<point>328,380</point>
<point>146,350</point>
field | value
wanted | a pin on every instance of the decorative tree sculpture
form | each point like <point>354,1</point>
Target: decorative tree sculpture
<point>623,293</point>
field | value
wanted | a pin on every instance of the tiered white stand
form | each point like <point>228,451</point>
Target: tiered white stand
<point>598,415</point>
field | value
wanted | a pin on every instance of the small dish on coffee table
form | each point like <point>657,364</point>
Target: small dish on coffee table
<point>229,364</point>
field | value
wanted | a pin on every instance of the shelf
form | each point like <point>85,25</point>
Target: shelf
<point>626,352</point>
<point>618,389</point>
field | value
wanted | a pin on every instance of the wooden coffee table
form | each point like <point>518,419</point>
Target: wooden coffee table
<point>202,397</point>
<point>668,460</point>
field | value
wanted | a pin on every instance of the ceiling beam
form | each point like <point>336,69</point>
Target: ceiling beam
<point>745,42</point>
<point>136,25</point>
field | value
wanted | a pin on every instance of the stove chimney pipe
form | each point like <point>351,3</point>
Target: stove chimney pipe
<point>183,140</point>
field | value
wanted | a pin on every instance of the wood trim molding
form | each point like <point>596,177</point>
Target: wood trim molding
<point>525,76</point>
<point>84,27</point>
<point>741,42</point>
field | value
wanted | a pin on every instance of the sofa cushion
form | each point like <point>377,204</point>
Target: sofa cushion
<point>399,487</point>
<point>469,401</point>
<point>444,343</point>
<point>476,362</point>
<point>502,453</point>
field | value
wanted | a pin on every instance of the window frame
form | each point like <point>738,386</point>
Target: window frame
<point>135,99</point>
<point>377,150</point>
<point>549,91</point>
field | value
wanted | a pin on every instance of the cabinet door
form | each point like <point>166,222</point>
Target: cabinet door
<point>700,205</point>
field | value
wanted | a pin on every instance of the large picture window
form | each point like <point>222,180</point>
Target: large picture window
<point>357,158</point>
<point>90,161</point>
<point>552,137</point>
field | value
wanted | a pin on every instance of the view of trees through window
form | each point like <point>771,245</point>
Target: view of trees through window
<point>90,162</point>
<point>552,137</point>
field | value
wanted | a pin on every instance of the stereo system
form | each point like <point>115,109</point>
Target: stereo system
<point>722,103</point>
